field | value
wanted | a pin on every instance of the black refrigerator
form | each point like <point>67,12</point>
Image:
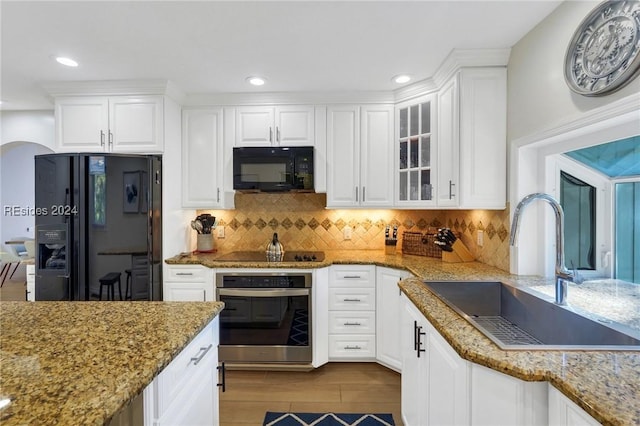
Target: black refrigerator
<point>97,215</point>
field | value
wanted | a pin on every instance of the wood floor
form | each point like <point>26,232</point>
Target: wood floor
<point>334,387</point>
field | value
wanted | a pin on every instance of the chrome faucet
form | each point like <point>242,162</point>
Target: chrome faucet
<point>563,275</point>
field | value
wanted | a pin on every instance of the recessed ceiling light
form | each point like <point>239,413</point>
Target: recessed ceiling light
<point>402,78</point>
<point>256,81</point>
<point>66,61</point>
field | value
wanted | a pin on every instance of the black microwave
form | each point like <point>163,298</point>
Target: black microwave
<point>273,169</point>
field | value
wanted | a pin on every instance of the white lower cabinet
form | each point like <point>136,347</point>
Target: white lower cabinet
<point>352,313</point>
<point>441,388</point>
<point>415,375</point>
<point>188,283</point>
<point>564,412</point>
<point>388,313</point>
<point>498,399</point>
<point>434,377</point>
<point>186,391</point>
<point>320,317</point>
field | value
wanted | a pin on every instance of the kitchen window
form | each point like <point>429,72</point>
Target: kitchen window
<point>627,232</point>
<point>592,182</point>
<point>578,200</point>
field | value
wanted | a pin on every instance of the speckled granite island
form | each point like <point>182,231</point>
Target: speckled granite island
<point>606,384</point>
<point>72,363</point>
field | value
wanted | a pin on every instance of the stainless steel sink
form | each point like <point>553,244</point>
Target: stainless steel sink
<point>515,319</point>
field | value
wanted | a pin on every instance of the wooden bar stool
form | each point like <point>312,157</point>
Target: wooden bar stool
<point>109,280</point>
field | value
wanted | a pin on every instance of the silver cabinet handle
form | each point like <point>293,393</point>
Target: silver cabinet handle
<point>101,138</point>
<point>352,277</point>
<point>451,185</point>
<point>277,134</point>
<point>223,384</point>
<point>110,139</point>
<point>184,273</point>
<point>356,194</point>
<point>197,359</point>
<point>352,323</point>
<point>353,348</point>
<point>270,134</point>
<point>363,197</point>
<point>351,300</point>
<point>218,196</point>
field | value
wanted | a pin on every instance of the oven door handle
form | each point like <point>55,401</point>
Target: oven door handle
<point>271,292</point>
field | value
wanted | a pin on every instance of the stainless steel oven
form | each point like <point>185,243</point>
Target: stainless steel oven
<point>266,320</point>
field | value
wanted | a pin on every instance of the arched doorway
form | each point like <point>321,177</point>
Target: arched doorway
<point>17,190</point>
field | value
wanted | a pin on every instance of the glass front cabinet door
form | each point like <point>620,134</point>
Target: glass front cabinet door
<point>415,152</point>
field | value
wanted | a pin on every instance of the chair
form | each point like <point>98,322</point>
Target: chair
<point>109,281</point>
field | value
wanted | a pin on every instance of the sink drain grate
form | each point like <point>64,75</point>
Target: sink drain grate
<point>505,331</point>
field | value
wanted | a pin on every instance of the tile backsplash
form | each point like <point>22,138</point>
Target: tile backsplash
<point>303,223</point>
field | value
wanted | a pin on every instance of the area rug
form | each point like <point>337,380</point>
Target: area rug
<point>326,419</point>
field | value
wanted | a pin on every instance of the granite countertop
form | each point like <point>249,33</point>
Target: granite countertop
<point>82,362</point>
<point>606,384</point>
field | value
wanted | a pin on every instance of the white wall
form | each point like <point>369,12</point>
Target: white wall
<point>23,134</point>
<point>545,117</point>
<point>538,97</point>
<point>28,126</point>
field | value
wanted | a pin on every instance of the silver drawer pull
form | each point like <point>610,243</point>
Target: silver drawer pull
<point>353,348</point>
<point>351,300</point>
<point>184,273</point>
<point>352,277</point>
<point>197,359</point>
<point>352,323</point>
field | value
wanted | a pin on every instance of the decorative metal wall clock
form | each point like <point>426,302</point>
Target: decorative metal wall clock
<point>604,53</point>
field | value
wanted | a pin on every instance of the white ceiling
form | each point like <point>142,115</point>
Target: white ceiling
<point>212,46</point>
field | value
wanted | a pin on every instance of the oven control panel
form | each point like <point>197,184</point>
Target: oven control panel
<point>287,280</point>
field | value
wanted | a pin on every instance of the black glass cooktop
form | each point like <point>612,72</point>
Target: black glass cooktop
<point>260,256</point>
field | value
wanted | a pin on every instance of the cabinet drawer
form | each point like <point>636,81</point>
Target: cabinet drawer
<point>343,322</point>
<point>186,366</point>
<point>352,346</point>
<point>352,299</point>
<point>188,273</point>
<point>352,276</point>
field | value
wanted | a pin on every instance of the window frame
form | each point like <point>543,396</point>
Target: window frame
<point>604,205</point>
<point>528,155</point>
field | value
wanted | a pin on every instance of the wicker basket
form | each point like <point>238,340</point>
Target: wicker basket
<point>412,243</point>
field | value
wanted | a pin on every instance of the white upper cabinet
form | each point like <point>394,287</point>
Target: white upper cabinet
<point>472,139</point>
<point>415,152</point>
<point>448,131</point>
<point>483,138</point>
<point>359,156</point>
<point>291,125</point>
<point>202,158</point>
<point>343,160</point>
<point>126,124</point>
